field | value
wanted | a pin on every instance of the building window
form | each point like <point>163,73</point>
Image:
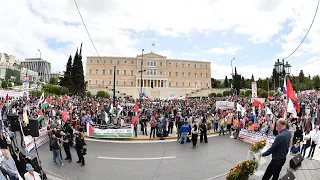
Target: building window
<point>169,64</point>
<point>195,65</point>
<point>117,83</point>
<point>125,62</point>
<point>183,84</point>
<point>89,81</point>
<point>188,65</point>
<point>131,73</point>
<point>169,83</point>
<point>131,83</point>
<point>200,65</point>
<point>183,65</point>
<point>110,72</point>
<point>103,71</point>
<point>118,72</point>
<point>169,73</point>
<point>97,71</point>
<point>160,63</point>
<point>148,63</point>
<point>206,75</point>
<point>176,83</point>
<point>90,61</point>
<point>176,64</point>
<point>125,72</point>
<point>90,71</point>
<point>102,82</point>
<point>110,82</point>
<point>104,62</point>
<point>200,74</point>
<point>189,74</point>
<point>132,62</point>
<point>207,84</point>
<point>176,74</point>
<point>195,74</point>
<point>96,81</point>
<point>189,84</point>
<point>118,62</point>
<point>124,83</point>
<point>110,61</point>
<point>182,74</point>
<point>97,61</point>
<point>160,73</point>
<point>206,65</point>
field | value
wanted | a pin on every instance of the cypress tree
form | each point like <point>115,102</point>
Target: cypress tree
<point>77,74</point>
<point>67,80</point>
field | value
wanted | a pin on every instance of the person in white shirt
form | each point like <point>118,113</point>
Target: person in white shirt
<point>31,174</point>
<point>315,134</point>
<point>306,142</point>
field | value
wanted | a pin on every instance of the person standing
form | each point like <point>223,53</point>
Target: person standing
<point>314,141</point>
<point>279,151</point>
<point>194,132</point>
<point>203,133</point>
<point>66,146</point>
<point>10,166</point>
<point>31,174</point>
<point>306,142</point>
<point>184,130</point>
<point>80,149</point>
<point>153,124</point>
<point>55,148</point>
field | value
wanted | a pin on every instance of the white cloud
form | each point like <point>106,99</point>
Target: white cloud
<point>188,54</point>
<point>227,50</point>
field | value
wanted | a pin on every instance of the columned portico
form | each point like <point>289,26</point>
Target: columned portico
<point>149,82</point>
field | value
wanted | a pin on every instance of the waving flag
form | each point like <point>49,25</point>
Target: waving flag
<point>25,117</point>
<point>64,115</point>
<point>284,87</point>
<point>46,103</point>
<point>135,118</point>
<point>135,108</point>
<point>106,118</point>
<point>291,95</point>
<point>40,115</point>
<point>111,111</point>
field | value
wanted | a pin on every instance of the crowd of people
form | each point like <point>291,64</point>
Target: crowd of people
<point>66,119</point>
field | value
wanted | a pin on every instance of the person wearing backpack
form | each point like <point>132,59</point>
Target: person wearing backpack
<point>194,131</point>
<point>55,148</point>
<point>153,124</point>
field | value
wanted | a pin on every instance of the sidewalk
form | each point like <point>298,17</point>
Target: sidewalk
<point>141,137</point>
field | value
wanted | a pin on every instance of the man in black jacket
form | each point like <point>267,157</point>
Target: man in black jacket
<point>279,151</point>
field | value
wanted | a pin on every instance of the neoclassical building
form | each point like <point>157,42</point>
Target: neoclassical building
<point>161,77</point>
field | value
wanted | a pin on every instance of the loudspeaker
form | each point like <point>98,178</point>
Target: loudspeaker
<point>289,175</point>
<point>14,122</point>
<point>296,161</point>
<point>34,127</point>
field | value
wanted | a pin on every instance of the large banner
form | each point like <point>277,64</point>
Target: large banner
<point>42,139</point>
<point>15,94</point>
<point>25,86</point>
<point>224,105</point>
<point>254,89</point>
<point>112,133</point>
<point>252,137</point>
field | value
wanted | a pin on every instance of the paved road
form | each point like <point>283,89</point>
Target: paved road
<point>151,161</point>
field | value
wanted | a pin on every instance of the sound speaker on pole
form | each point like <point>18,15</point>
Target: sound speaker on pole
<point>288,176</point>
<point>296,161</point>
<point>14,122</point>
<point>34,127</point>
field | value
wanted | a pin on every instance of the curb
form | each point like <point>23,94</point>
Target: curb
<point>141,139</point>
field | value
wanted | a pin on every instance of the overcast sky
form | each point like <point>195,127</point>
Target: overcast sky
<point>255,32</point>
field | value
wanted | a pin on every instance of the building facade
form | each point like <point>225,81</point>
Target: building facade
<point>39,65</point>
<point>159,74</point>
<point>6,59</point>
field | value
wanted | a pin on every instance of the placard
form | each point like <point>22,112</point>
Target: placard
<point>254,89</point>
<point>25,86</point>
<point>112,133</point>
<point>11,93</point>
<point>224,105</point>
<point>252,137</point>
<point>42,139</point>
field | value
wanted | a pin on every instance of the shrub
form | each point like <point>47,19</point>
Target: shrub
<point>101,94</point>
<point>248,93</point>
<point>88,94</point>
<point>226,93</point>
<point>64,90</point>
<point>10,84</point>
<point>33,93</point>
<point>219,95</point>
<point>55,90</point>
<point>4,84</point>
<point>241,93</point>
<point>263,94</point>
<point>210,95</point>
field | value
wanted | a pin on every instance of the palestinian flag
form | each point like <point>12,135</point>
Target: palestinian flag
<point>40,115</point>
<point>46,102</point>
<point>90,129</point>
<point>111,111</point>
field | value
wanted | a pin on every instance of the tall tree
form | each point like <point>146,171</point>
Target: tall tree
<point>301,77</point>
<point>316,81</point>
<point>67,80</point>
<point>226,82</point>
<point>215,83</point>
<point>275,78</point>
<point>243,83</point>
<point>252,78</point>
<point>77,74</point>
<point>236,81</point>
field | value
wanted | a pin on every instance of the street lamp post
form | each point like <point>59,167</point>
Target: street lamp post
<point>232,75</point>
<point>141,77</point>
<point>114,86</point>
<point>283,69</point>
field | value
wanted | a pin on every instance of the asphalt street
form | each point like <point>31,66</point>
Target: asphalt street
<point>150,161</point>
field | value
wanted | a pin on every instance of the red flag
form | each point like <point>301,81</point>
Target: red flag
<point>64,115</point>
<point>7,97</point>
<point>135,108</point>
<point>48,99</point>
<point>71,107</point>
<point>41,113</point>
<point>291,95</point>
<point>144,100</point>
<point>58,103</point>
<point>269,97</point>
<point>149,98</point>
<point>257,103</point>
<point>95,105</point>
<point>134,119</point>
<point>64,98</point>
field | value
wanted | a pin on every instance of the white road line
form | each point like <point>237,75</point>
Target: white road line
<point>138,141</point>
<point>216,176</point>
<point>136,159</point>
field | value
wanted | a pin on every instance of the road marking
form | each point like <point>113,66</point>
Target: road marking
<point>136,159</point>
<point>216,176</point>
<point>138,141</point>
<point>54,178</point>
